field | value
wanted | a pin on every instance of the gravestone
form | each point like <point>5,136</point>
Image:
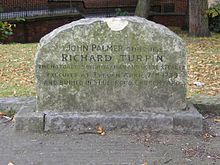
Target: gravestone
<point>111,65</point>
<point>124,73</point>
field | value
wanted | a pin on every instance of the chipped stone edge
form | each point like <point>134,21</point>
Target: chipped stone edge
<point>190,121</point>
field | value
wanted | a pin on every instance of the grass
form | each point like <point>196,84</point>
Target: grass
<point>17,70</point>
<point>17,66</point>
<point>203,64</point>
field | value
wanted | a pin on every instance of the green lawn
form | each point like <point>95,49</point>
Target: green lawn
<point>17,66</point>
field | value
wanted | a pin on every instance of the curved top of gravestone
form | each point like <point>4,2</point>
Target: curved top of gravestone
<point>121,64</point>
<point>149,25</point>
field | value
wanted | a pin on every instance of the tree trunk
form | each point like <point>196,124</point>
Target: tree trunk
<point>143,8</point>
<point>198,21</point>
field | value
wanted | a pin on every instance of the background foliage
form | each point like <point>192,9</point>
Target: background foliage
<point>6,29</point>
<point>214,18</point>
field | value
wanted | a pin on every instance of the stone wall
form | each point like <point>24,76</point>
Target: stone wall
<point>33,29</point>
<point>9,5</point>
<point>170,20</point>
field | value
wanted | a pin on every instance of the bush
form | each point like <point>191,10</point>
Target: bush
<point>213,14</point>
<point>120,12</point>
<point>5,30</point>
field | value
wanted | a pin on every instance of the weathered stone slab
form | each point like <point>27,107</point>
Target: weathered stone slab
<point>140,122</point>
<point>207,104</point>
<point>125,64</point>
<point>27,120</point>
<point>189,121</point>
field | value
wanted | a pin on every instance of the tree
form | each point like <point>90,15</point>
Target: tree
<point>143,8</point>
<point>198,21</point>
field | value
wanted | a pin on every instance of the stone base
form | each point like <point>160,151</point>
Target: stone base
<point>28,120</point>
<point>189,121</point>
<point>15,103</point>
<point>207,104</point>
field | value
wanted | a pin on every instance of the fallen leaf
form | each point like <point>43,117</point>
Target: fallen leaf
<point>207,136</point>
<point>2,114</point>
<point>217,120</point>
<point>102,134</point>
<point>145,163</point>
<point>101,130</point>
<point>11,163</point>
<point>14,92</point>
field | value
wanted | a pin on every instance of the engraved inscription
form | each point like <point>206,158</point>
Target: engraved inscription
<point>83,67</point>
